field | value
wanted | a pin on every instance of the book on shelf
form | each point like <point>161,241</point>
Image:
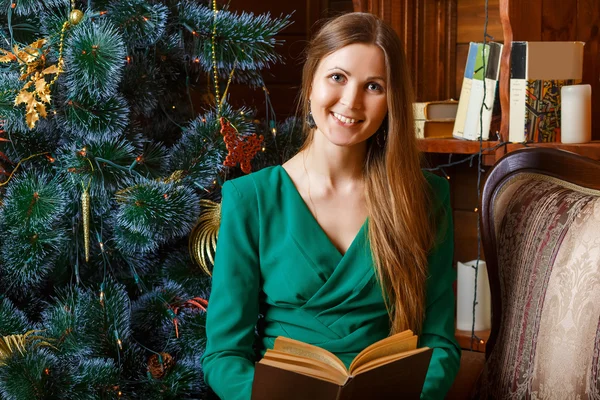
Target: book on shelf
<point>465,92</point>
<point>438,129</point>
<point>537,72</point>
<point>484,90</point>
<point>435,119</point>
<point>391,368</point>
<point>436,110</point>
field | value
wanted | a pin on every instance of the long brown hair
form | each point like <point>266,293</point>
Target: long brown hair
<point>400,230</point>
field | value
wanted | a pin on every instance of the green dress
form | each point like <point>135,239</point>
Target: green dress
<point>273,258</point>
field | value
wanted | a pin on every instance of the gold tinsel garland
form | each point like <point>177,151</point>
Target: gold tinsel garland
<point>85,207</point>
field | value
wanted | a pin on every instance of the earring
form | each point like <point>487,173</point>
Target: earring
<point>310,121</point>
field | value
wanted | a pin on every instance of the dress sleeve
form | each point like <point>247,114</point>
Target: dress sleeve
<point>228,362</point>
<point>438,328</point>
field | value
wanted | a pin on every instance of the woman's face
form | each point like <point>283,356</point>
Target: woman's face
<point>348,96</point>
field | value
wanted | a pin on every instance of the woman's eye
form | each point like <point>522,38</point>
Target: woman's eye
<point>375,87</point>
<point>337,77</point>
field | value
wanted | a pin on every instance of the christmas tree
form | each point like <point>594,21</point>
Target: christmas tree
<point>116,135</point>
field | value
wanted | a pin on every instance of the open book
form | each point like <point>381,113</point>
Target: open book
<point>391,368</point>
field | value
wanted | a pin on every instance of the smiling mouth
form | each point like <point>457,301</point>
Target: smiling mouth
<point>344,119</point>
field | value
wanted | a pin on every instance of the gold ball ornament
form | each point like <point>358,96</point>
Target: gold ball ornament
<point>75,17</point>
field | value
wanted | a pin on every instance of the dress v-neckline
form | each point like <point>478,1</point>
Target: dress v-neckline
<point>287,178</point>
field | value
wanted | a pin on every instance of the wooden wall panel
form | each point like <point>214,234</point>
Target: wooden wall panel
<point>471,19</point>
<point>470,28</point>
<point>428,30</point>
<point>463,197</point>
<point>337,7</point>
<point>588,30</point>
<point>465,236</point>
<point>559,20</point>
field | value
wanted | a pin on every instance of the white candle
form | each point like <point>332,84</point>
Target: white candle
<point>465,291</point>
<point>576,114</point>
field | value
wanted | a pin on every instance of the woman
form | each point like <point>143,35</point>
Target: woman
<point>348,241</point>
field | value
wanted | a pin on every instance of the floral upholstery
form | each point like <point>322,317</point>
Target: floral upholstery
<point>548,253</point>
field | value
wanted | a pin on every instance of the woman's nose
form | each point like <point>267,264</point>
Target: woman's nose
<point>352,97</point>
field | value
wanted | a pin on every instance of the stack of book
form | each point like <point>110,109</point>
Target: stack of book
<point>477,103</point>
<point>435,119</point>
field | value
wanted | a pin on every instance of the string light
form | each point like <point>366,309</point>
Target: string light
<point>214,59</point>
<point>119,342</point>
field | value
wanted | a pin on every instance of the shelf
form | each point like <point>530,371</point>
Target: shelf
<point>455,146</point>
<point>493,154</point>
<point>464,340</point>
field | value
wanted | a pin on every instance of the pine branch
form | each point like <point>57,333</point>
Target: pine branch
<point>12,320</point>
<point>94,60</point>
<point>141,23</point>
<point>243,39</point>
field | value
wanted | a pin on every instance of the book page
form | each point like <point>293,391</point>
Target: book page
<point>386,360</point>
<point>291,346</point>
<point>305,366</point>
<point>388,349</point>
<point>394,338</point>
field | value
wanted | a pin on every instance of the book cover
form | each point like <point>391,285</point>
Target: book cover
<point>465,92</point>
<point>518,74</point>
<point>436,110</point>
<point>388,369</point>
<point>538,70</point>
<point>483,92</point>
<point>542,109</point>
<point>440,129</point>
